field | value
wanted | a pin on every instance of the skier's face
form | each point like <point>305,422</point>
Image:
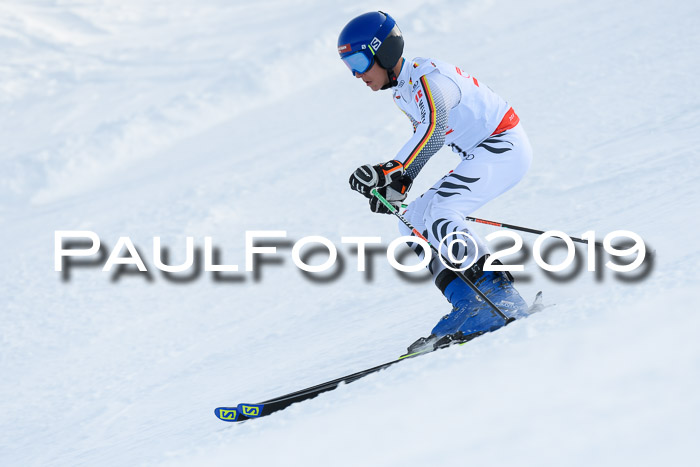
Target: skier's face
<point>375,77</point>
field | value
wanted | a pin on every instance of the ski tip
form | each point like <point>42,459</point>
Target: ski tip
<point>250,410</point>
<point>227,414</point>
<point>537,304</point>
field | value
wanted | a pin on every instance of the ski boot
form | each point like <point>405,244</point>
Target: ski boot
<point>470,313</point>
<point>471,316</point>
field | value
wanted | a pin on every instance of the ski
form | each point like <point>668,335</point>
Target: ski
<point>243,412</point>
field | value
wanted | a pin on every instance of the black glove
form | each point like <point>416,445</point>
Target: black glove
<point>375,176</point>
<point>395,193</point>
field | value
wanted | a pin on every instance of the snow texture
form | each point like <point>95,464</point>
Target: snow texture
<point>213,118</point>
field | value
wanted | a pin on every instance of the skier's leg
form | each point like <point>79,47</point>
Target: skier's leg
<point>462,298</point>
<point>490,169</point>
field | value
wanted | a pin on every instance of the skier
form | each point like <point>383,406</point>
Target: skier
<point>447,106</point>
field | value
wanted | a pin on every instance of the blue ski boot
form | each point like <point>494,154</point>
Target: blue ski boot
<point>471,316</point>
<point>470,313</point>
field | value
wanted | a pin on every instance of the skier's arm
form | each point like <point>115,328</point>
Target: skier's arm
<point>434,97</point>
<point>414,122</point>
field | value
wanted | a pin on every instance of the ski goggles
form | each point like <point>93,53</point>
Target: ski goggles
<point>360,61</point>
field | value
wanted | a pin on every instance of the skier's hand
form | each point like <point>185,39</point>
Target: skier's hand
<point>368,176</point>
<point>395,193</point>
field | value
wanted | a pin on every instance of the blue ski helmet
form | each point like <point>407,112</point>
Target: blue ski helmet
<point>369,37</point>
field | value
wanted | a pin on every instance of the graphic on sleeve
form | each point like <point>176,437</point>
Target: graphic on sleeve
<point>431,119</point>
<point>430,129</point>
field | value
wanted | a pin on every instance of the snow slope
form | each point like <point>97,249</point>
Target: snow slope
<point>214,118</point>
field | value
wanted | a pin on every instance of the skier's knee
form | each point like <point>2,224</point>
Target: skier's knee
<point>435,215</point>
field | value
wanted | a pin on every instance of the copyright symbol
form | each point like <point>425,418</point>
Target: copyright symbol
<point>454,244</point>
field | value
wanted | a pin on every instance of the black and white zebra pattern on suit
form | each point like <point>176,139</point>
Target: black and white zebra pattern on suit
<point>453,183</point>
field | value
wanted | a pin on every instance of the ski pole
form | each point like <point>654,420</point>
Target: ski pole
<point>517,227</point>
<point>525,229</point>
<point>454,268</point>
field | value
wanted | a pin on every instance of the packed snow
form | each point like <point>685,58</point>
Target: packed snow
<point>213,118</point>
